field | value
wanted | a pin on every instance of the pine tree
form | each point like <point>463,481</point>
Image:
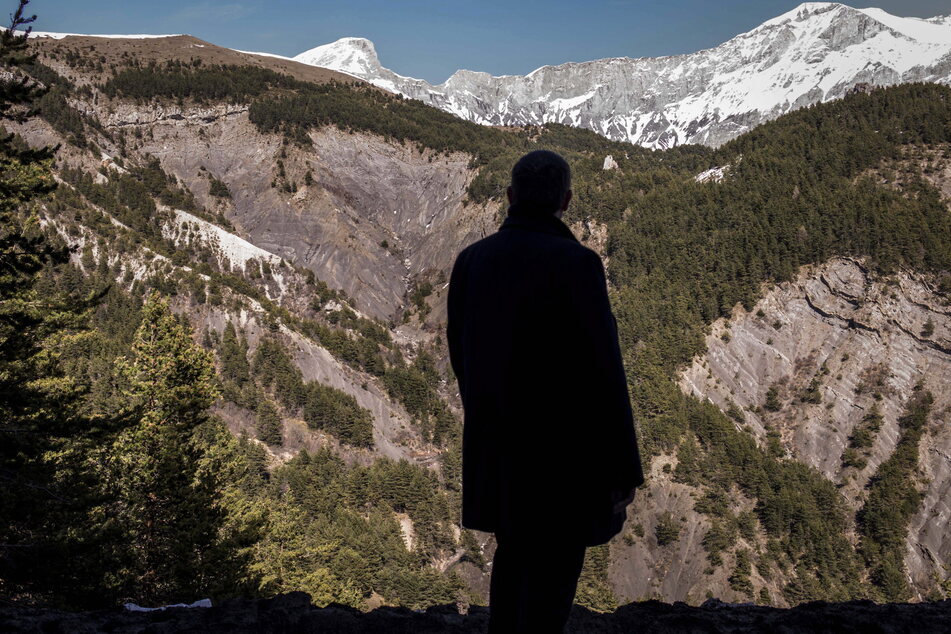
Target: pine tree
<point>234,356</point>
<point>270,429</point>
<point>38,413</point>
<point>169,518</point>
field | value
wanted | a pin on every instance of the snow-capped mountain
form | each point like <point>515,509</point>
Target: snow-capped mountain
<point>816,52</point>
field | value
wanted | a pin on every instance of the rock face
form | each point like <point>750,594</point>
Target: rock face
<point>294,613</point>
<point>817,52</point>
<point>374,216</point>
<point>642,568</point>
<point>187,138</point>
<point>831,345</point>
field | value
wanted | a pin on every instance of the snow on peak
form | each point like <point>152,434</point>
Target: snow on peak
<point>813,53</point>
<point>59,36</point>
<point>353,55</point>
<point>927,31</point>
<point>804,11</point>
<point>933,31</point>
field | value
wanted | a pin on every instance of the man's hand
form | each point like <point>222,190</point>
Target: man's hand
<point>622,498</point>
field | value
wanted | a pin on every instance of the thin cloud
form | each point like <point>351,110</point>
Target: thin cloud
<point>215,11</point>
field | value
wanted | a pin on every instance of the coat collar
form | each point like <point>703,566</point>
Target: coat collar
<point>546,224</point>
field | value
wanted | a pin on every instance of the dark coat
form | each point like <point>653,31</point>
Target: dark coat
<point>548,434</point>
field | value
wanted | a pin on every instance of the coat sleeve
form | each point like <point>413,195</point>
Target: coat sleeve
<point>601,375</point>
<point>455,310</point>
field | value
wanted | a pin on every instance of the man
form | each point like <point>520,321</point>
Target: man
<point>550,458</point>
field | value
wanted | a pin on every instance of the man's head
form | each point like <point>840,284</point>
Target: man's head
<point>541,185</point>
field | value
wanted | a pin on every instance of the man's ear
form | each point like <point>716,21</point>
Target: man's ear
<point>564,205</point>
<point>508,193</point>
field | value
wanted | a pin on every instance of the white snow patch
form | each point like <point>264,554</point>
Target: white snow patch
<point>137,36</point>
<point>568,103</point>
<point>201,603</point>
<point>291,59</point>
<point>714,174</point>
<point>237,250</point>
<point>927,31</point>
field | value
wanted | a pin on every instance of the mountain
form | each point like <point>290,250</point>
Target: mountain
<point>305,227</point>
<point>814,53</point>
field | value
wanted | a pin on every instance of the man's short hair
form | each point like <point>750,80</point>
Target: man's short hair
<point>540,180</point>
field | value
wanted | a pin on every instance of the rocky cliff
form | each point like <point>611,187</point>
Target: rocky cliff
<point>827,349</point>
<point>371,217</point>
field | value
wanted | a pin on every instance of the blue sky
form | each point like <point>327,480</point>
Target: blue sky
<point>431,39</point>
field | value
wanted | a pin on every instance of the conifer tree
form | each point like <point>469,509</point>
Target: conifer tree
<point>270,430</point>
<point>234,356</point>
<point>37,401</point>
<point>169,517</point>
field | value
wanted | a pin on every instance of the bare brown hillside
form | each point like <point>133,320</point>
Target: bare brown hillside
<point>94,57</point>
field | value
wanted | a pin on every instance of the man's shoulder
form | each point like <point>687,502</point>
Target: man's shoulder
<point>561,245</point>
<point>577,255</point>
<point>486,243</point>
<point>568,256</point>
<point>584,253</point>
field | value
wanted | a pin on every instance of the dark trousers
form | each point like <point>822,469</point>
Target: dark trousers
<point>533,584</point>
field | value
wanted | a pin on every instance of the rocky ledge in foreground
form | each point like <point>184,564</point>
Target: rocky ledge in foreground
<point>294,613</point>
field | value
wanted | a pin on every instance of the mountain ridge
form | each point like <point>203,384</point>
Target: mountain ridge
<point>655,101</point>
<point>815,52</point>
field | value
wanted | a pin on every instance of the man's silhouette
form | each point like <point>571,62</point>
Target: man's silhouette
<point>549,458</point>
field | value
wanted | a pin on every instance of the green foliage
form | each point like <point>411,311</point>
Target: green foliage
<point>421,290</point>
<point>414,386</point>
<point>42,492</point>
<point>863,436</point>
<point>892,500</point>
<point>812,393</point>
<point>64,118</point>
<point>234,357</point>
<point>356,107</point>
<point>594,591</point>
<point>852,458</point>
<point>280,104</point>
<point>130,196</point>
<point>473,550</point>
<point>734,412</point>
<point>667,530</point>
<point>176,80</point>
<point>772,402</point>
<point>269,426</point>
<point>167,520</point>
<point>798,508</point>
<point>740,577</point>
<point>720,537</point>
<point>682,254</point>
<point>218,188</point>
<point>339,521</point>
<point>797,194</point>
<point>148,497</point>
<point>321,406</point>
